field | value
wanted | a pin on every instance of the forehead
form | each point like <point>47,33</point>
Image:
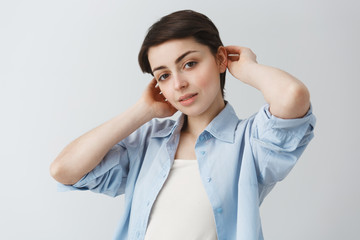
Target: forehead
<point>167,52</point>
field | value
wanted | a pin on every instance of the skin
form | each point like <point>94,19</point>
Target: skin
<point>197,73</point>
<point>287,96</point>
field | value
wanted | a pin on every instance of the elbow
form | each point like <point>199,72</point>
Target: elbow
<point>294,102</point>
<point>55,171</point>
<point>60,174</point>
<point>299,101</point>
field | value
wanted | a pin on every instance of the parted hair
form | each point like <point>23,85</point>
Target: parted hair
<point>179,25</point>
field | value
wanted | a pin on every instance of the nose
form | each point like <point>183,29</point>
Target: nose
<point>180,82</point>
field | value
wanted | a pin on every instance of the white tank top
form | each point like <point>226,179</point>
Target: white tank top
<point>182,209</point>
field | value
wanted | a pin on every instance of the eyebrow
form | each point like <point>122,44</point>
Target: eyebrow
<point>177,60</point>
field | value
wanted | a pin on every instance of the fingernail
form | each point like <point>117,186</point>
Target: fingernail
<point>157,84</point>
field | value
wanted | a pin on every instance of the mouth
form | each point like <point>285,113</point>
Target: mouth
<point>187,97</point>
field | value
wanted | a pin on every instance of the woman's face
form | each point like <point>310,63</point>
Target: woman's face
<point>188,75</point>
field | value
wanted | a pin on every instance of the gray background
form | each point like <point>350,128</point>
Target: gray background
<point>68,66</point>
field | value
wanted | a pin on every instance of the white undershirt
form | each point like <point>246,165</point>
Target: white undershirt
<point>182,209</point>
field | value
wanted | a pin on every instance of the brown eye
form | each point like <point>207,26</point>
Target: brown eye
<point>163,77</point>
<point>190,64</point>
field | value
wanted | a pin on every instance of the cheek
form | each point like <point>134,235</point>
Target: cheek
<point>210,79</point>
<point>209,75</point>
<point>165,92</point>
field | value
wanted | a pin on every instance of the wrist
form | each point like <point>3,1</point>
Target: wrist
<point>143,111</point>
<point>249,72</point>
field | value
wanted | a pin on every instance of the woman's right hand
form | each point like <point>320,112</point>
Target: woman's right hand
<point>87,151</point>
<point>155,101</point>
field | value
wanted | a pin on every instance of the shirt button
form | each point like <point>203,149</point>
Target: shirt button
<point>209,179</point>
<point>219,210</point>
<point>202,153</point>
<point>137,234</point>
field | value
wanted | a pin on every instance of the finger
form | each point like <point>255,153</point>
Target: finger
<point>233,49</point>
<point>152,83</point>
<point>152,87</point>
<point>233,57</point>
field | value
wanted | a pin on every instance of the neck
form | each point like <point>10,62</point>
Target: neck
<point>195,125</point>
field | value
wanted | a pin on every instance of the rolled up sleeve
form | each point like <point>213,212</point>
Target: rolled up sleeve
<point>278,143</point>
<point>108,177</point>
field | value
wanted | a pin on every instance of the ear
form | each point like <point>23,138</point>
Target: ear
<point>221,57</point>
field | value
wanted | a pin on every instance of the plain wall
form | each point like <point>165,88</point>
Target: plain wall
<point>68,66</point>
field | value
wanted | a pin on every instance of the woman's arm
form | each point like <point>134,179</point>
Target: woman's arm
<point>287,96</point>
<point>86,152</point>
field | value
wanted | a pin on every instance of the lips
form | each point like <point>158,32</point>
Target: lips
<point>187,97</point>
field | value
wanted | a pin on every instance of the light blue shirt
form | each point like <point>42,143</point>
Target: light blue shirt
<point>239,161</point>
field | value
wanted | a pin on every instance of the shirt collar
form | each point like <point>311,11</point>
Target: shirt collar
<point>170,128</point>
<point>221,127</point>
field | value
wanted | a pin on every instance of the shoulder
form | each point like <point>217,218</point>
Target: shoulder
<point>263,125</point>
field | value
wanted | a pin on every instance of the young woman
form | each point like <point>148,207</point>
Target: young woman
<point>204,175</point>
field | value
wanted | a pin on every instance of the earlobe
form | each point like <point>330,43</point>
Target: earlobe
<point>222,58</point>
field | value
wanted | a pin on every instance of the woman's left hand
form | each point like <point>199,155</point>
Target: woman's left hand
<point>238,60</point>
<point>287,96</point>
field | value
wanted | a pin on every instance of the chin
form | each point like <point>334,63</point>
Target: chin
<point>192,112</point>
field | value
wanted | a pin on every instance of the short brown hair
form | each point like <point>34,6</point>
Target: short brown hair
<point>178,25</point>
